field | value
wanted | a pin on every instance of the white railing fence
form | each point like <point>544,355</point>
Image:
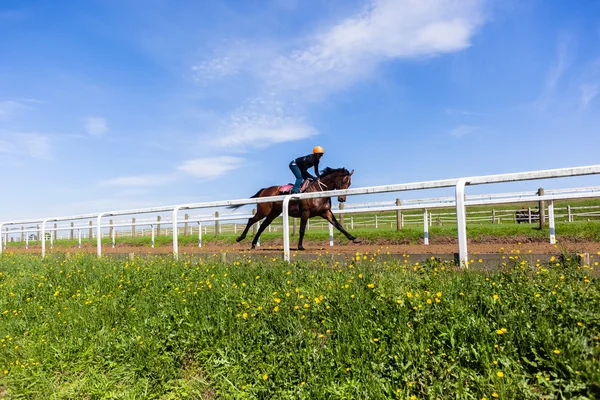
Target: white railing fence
<point>28,227</point>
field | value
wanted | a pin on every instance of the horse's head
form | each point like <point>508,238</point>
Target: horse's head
<point>337,179</point>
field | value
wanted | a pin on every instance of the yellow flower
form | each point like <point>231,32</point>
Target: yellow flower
<point>500,374</point>
<point>438,294</point>
<point>496,297</point>
<point>245,315</point>
<point>277,300</point>
<point>494,394</point>
<point>276,308</point>
<point>409,295</point>
<point>556,351</point>
<point>360,276</point>
<point>370,286</point>
<point>428,301</point>
<point>265,377</point>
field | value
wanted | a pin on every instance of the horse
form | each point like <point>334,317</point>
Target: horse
<point>330,179</point>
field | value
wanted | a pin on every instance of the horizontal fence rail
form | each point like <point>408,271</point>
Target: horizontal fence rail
<point>459,202</point>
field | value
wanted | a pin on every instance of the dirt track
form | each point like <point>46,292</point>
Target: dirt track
<point>499,246</point>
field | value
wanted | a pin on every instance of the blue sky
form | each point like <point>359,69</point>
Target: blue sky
<point>108,105</point>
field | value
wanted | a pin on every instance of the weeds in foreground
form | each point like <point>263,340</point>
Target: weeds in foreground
<point>83,327</point>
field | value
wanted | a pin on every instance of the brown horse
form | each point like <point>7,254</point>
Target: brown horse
<point>331,179</point>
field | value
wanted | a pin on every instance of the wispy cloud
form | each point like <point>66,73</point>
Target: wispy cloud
<point>262,123</point>
<point>588,93</point>
<point>463,130</point>
<point>334,59</point>
<point>556,71</point>
<point>9,108</point>
<point>26,144</point>
<point>214,69</point>
<point>95,126</point>
<point>205,168</point>
<point>384,30</point>
<point>139,180</point>
<point>211,167</point>
<point>455,111</point>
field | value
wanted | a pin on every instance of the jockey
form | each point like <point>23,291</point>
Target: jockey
<point>300,167</point>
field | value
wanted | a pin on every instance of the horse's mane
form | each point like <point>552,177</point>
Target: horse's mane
<point>328,171</point>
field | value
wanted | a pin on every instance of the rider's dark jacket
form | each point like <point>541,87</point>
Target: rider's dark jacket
<point>304,163</point>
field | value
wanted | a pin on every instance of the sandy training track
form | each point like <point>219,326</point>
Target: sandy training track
<point>274,248</point>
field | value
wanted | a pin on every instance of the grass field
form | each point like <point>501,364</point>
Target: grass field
<point>82,327</point>
<point>484,233</point>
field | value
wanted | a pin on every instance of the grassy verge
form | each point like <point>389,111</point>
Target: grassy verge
<point>81,327</point>
<point>488,233</point>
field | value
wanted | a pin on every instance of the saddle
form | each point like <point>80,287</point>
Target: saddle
<point>287,189</point>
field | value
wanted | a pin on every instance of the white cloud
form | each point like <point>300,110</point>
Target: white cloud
<point>385,30</point>
<point>332,60</point>
<point>96,126</point>
<point>261,130</point>
<point>37,146</point>
<point>8,108</point>
<point>588,93</point>
<point>556,71</point>
<point>456,111</point>
<point>463,130</point>
<point>139,180</point>
<point>26,144</point>
<point>211,167</point>
<point>214,69</point>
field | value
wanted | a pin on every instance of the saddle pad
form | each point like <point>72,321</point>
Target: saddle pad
<point>286,188</point>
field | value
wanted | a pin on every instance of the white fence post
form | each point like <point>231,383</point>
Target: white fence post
<point>551,221</point>
<point>461,222</point>
<point>330,235</point>
<point>99,235</point>
<point>286,228</point>
<point>175,239</point>
<point>425,227</point>
<point>152,227</point>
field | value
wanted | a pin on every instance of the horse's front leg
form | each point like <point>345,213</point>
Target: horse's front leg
<point>330,217</point>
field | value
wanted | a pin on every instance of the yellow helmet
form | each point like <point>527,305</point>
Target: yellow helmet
<point>318,150</point>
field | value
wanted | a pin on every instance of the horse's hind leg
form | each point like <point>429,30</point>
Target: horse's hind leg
<point>251,221</point>
<point>263,226</point>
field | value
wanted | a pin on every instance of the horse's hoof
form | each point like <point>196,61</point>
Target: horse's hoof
<point>301,248</point>
<point>356,240</point>
<point>239,239</point>
<point>253,246</point>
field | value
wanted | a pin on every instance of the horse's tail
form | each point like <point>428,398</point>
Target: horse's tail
<point>252,197</point>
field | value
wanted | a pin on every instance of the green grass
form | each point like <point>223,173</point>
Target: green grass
<point>484,233</point>
<point>83,327</point>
